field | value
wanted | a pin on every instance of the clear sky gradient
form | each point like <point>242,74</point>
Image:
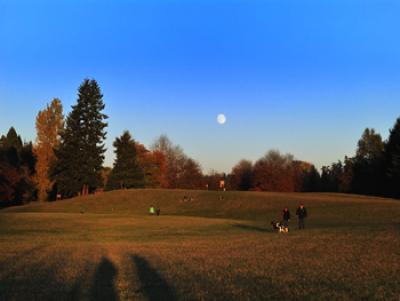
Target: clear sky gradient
<point>305,77</point>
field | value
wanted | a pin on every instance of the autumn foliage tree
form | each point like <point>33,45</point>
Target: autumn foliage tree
<point>274,172</point>
<point>175,158</point>
<point>301,174</point>
<point>9,178</point>
<point>154,166</point>
<point>192,176</point>
<point>181,171</point>
<point>49,126</point>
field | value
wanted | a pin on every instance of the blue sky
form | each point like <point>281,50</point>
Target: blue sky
<point>305,77</point>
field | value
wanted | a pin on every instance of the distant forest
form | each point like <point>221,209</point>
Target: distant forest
<point>66,160</point>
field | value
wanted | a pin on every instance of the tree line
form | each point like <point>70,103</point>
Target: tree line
<point>67,159</point>
<point>275,172</point>
<point>373,170</point>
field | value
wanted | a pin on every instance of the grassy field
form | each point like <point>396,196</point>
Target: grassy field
<point>219,246</point>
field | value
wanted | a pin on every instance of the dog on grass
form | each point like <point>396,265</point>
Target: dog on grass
<point>280,227</point>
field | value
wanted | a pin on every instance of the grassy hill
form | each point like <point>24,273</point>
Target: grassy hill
<point>326,209</point>
<point>218,246</point>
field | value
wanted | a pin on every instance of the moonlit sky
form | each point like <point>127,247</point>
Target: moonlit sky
<point>305,77</point>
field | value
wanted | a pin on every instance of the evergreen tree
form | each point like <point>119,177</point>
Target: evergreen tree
<point>368,164</point>
<point>12,147</point>
<point>312,180</point>
<point>81,153</point>
<point>126,172</point>
<point>17,168</point>
<point>13,140</point>
<point>331,177</point>
<point>392,152</point>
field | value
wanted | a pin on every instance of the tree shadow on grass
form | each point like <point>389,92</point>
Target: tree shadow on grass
<point>252,228</point>
<point>153,285</point>
<point>103,287</point>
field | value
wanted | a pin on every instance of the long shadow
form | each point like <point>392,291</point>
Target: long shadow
<point>36,280</point>
<point>153,285</point>
<point>103,287</point>
<point>252,228</point>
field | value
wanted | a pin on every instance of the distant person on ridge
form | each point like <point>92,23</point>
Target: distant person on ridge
<point>286,217</point>
<point>301,213</point>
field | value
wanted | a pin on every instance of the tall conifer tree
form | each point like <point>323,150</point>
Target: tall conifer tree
<point>368,164</point>
<point>392,152</point>
<point>81,153</point>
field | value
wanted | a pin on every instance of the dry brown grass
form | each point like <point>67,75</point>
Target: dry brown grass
<point>343,255</point>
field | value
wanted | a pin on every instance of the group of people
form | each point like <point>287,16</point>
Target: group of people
<point>301,213</point>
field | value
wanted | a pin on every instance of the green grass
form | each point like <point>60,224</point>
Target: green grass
<point>217,247</point>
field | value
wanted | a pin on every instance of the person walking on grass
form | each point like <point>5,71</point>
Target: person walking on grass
<point>301,213</point>
<point>286,217</point>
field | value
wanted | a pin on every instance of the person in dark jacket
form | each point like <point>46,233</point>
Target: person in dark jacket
<point>286,217</point>
<point>301,213</point>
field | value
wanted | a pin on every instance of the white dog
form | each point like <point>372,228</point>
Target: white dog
<point>280,227</point>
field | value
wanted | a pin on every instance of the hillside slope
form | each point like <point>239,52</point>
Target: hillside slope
<point>329,209</point>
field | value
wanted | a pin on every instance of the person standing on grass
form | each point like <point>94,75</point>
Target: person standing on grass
<point>301,213</point>
<point>286,217</point>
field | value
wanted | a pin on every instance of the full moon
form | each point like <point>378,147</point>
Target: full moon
<point>221,118</point>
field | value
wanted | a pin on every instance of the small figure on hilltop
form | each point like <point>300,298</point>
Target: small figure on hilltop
<point>301,213</point>
<point>286,218</point>
<point>158,211</point>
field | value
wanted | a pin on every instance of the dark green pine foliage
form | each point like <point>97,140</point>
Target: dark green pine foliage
<point>369,165</point>
<point>81,153</point>
<point>11,147</point>
<point>311,180</point>
<point>17,168</point>
<point>13,140</point>
<point>12,144</point>
<point>126,172</point>
<point>392,153</point>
